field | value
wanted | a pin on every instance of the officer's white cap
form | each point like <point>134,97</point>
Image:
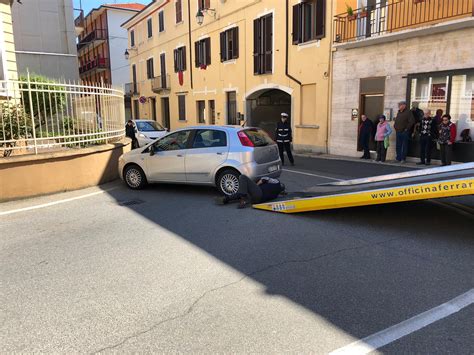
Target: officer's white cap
<point>284,114</point>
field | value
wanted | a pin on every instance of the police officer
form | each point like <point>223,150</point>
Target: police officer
<point>284,138</point>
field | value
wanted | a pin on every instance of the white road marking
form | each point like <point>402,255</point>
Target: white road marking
<point>309,174</point>
<point>389,335</point>
<point>55,202</point>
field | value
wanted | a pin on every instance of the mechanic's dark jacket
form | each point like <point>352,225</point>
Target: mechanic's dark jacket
<point>270,191</point>
<point>283,133</point>
<point>130,131</point>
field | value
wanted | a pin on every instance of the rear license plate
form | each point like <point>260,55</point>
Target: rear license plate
<point>273,168</point>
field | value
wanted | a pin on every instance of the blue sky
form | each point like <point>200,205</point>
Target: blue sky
<point>88,5</point>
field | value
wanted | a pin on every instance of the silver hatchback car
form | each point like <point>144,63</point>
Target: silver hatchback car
<point>204,155</point>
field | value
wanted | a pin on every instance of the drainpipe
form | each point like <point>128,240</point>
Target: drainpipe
<point>190,47</point>
<point>286,52</point>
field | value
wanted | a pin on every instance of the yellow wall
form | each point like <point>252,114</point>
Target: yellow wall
<point>7,34</point>
<point>308,63</point>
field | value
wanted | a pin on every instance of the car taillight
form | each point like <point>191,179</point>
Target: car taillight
<point>244,139</point>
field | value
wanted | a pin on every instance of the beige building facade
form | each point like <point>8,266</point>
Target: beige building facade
<point>248,62</point>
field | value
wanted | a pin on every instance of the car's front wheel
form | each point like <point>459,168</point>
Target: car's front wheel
<point>134,177</point>
<point>228,182</point>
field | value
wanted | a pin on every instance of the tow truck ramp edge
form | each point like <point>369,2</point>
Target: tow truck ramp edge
<point>440,182</point>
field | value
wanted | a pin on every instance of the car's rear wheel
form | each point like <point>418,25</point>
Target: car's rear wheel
<point>228,182</point>
<point>134,177</point>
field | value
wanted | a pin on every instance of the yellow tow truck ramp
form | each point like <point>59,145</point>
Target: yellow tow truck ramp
<point>448,181</point>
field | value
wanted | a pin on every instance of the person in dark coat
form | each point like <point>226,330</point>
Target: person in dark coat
<point>366,130</point>
<point>265,189</point>
<point>428,131</point>
<point>404,123</point>
<point>438,118</point>
<point>130,133</point>
<point>446,139</point>
<point>284,137</point>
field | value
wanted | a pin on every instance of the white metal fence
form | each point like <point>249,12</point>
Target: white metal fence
<point>38,116</point>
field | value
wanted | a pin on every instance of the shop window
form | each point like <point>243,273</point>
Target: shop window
<point>431,92</point>
<point>263,45</point>
<point>308,21</point>
<point>461,106</point>
<point>229,44</point>
<point>180,59</point>
<point>203,53</point>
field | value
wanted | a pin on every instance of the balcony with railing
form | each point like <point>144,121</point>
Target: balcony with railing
<point>97,64</point>
<point>160,83</point>
<point>379,20</point>
<point>95,37</point>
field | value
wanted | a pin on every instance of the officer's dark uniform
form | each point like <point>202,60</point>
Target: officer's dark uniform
<point>284,138</point>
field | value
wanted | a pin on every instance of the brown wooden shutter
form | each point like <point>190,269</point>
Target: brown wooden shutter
<point>320,18</point>
<point>207,42</point>
<point>207,4</point>
<point>223,47</point>
<point>296,24</point>
<point>235,41</point>
<point>179,12</point>
<point>268,23</point>
<point>196,54</point>
<point>184,58</point>
<point>175,53</point>
<point>256,46</point>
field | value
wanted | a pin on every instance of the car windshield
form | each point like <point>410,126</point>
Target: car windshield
<point>259,137</point>
<point>148,126</point>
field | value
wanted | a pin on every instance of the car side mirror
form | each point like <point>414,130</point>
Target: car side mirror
<point>167,129</point>
<point>152,150</point>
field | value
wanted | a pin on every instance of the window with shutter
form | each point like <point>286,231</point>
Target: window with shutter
<point>182,107</point>
<point>161,21</point>
<point>179,11</point>
<point>163,70</point>
<point>263,45</point>
<point>149,69</point>
<point>132,38</point>
<point>309,21</point>
<point>202,52</point>
<point>229,44</point>
<point>180,59</point>
<point>204,4</point>
<point>150,27</point>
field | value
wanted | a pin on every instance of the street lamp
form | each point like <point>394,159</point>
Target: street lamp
<point>200,15</point>
<point>127,54</point>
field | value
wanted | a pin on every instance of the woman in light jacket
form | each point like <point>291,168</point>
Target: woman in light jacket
<point>381,137</point>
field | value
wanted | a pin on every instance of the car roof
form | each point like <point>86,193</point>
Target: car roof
<point>226,127</point>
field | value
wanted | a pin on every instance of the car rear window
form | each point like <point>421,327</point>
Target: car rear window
<point>259,137</point>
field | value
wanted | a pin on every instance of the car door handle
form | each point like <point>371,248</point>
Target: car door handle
<point>180,155</point>
<point>220,153</point>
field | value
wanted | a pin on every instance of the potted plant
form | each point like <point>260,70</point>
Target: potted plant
<point>350,13</point>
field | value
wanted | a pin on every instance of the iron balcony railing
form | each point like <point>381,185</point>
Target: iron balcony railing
<point>378,20</point>
<point>160,83</point>
<point>96,63</point>
<point>95,35</point>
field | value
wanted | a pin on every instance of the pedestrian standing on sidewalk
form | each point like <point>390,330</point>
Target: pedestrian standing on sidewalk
<point>130,133</point>
<point>403,125</point>
<point>447,136</point>
<point>428,132</point>
<point>365,132</point>
<point>381,137</point>
<point>438,118</point>
<point>284,137</point>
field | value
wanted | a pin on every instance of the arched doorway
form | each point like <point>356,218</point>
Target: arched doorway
<point>265,106</point>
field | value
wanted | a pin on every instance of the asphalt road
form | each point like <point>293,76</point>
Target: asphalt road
<point>166,270</point>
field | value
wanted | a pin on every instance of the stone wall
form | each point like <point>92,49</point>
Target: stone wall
<point>394,59</point>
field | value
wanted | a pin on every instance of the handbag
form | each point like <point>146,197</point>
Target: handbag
<point>386,142</point>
